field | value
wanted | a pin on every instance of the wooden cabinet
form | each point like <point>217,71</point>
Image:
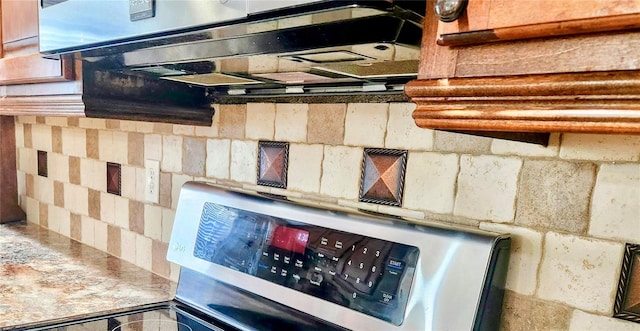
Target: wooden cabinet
<point>571,80</point>
<point>20,62</point>
<point>499,20</point>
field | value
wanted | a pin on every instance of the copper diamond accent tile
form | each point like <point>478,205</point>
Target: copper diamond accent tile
<point>383,176</point>
<point>114,178</point>
<point>43,169</point>
<point>272,163</point>
<point>627,304</point>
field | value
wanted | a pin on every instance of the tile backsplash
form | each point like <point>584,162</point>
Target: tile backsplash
<point>570,207</point>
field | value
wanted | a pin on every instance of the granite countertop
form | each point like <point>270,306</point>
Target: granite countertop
<point>45,276</point>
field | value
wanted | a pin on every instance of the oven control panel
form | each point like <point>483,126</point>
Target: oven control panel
<point>366,274</point>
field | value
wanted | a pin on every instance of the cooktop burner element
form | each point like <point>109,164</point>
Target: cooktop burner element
<point>249,262</point>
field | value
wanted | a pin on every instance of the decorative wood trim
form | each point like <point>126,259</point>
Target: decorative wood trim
<point>33,68</point>
<point>43,105</point>
<point>586,102</point>
<point>551,29</point>
<point>9,208</point>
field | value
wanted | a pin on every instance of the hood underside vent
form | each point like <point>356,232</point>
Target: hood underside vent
<point>362,51</point>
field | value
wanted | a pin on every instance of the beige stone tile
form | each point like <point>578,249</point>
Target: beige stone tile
<point>341,169</point>
<point>88,231</point>
<point>402,131</point>
<point>172,154</point>
<point>94,204</point>
<point>19,134</point>
<point>128,244</point>
<point>100,235</point>
<point>28,160</point>
<point>487,187</point>
<point>176,184</point>
<point>580,272</point>
<point>163,128</point>
<point>33,210</point>
<point>555,195</point>
<point>43,214</point>
<point>74,142</point>
<point>260,121</point>
<point>136,216</point>
<point>326,123</point>
<point>175,272</point>
<point>29,185</point>
<point>165,190</point>
<point>168,217</point>
<point>105,145</point>
<point>508,147</point>
<point>144,248</point>
<point>22,184</point>
<point>210,131</point>
<point>194,156</point>
<point>130,126</point>
<point>159,263</point>
<point>600,147</point>
<point>58,194</point>
<point>28,135</point>
<point>56,121</point>
<point>218,158</point>
<point>54,212</point>
<point>184,130</point>
<point>581,321</point>
<point>141,182</point>
<point>56,139</point>
<point>371,134</point>
<point>108,208</point>
<point>113,240</point>
<point>461,143</point>
<point>526,253</point>
<point>58,167</point>
<point>430,182</point>
<point>153,222</point>
<point>120,147</point>
<point>244,158</point>
<point>64,221</point>
<point>93,145</point>
<point>291,122</point>
<point>93,174</point>
<point>128,182</point>
<point>145,127</point>
<point>27,119</point>
<point>401,212</point>
<point>153,147</point>
<point>92,123</point>
<point>76,199</point>
<point>112,124</point>
<point>43,189</point>
<point>525,313</point>
<point>121,212</point>
<point>305,167</point>
<point>135,149</point>
<point>232,120</point>
<point>74,170</point>
<point>41,137</point>
<point>73,121</point>
<point>615,205</point>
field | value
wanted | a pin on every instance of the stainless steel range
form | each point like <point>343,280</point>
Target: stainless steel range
<point>252,262</point>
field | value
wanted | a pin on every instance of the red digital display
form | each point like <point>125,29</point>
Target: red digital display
<point>291,239</point>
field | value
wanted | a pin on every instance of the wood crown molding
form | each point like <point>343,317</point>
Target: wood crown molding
<point>42,105</point>
<point>599,102</point>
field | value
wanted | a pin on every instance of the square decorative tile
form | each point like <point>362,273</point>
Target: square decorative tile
<point>383,172</point>
<point>114,178</point>
<point>273,158</point>
<point>42,164</point>
<point>627,304</point>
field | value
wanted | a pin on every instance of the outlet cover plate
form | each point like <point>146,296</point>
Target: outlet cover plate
<point>152,181</point>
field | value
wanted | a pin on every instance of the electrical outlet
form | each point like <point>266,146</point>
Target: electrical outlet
<point>152,183</point>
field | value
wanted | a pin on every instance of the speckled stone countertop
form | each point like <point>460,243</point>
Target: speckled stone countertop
<point>45,276</point>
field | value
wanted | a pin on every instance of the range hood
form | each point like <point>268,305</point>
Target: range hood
<point>169,60</point>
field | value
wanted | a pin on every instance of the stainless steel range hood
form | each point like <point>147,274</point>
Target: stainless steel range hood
<point>168,60</point>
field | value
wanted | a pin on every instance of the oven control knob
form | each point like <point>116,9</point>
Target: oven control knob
<point>316,278</point>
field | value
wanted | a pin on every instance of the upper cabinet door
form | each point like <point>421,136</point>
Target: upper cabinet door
<point>19,20</point>
<point>20,61</point>
<point>498,20</point>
